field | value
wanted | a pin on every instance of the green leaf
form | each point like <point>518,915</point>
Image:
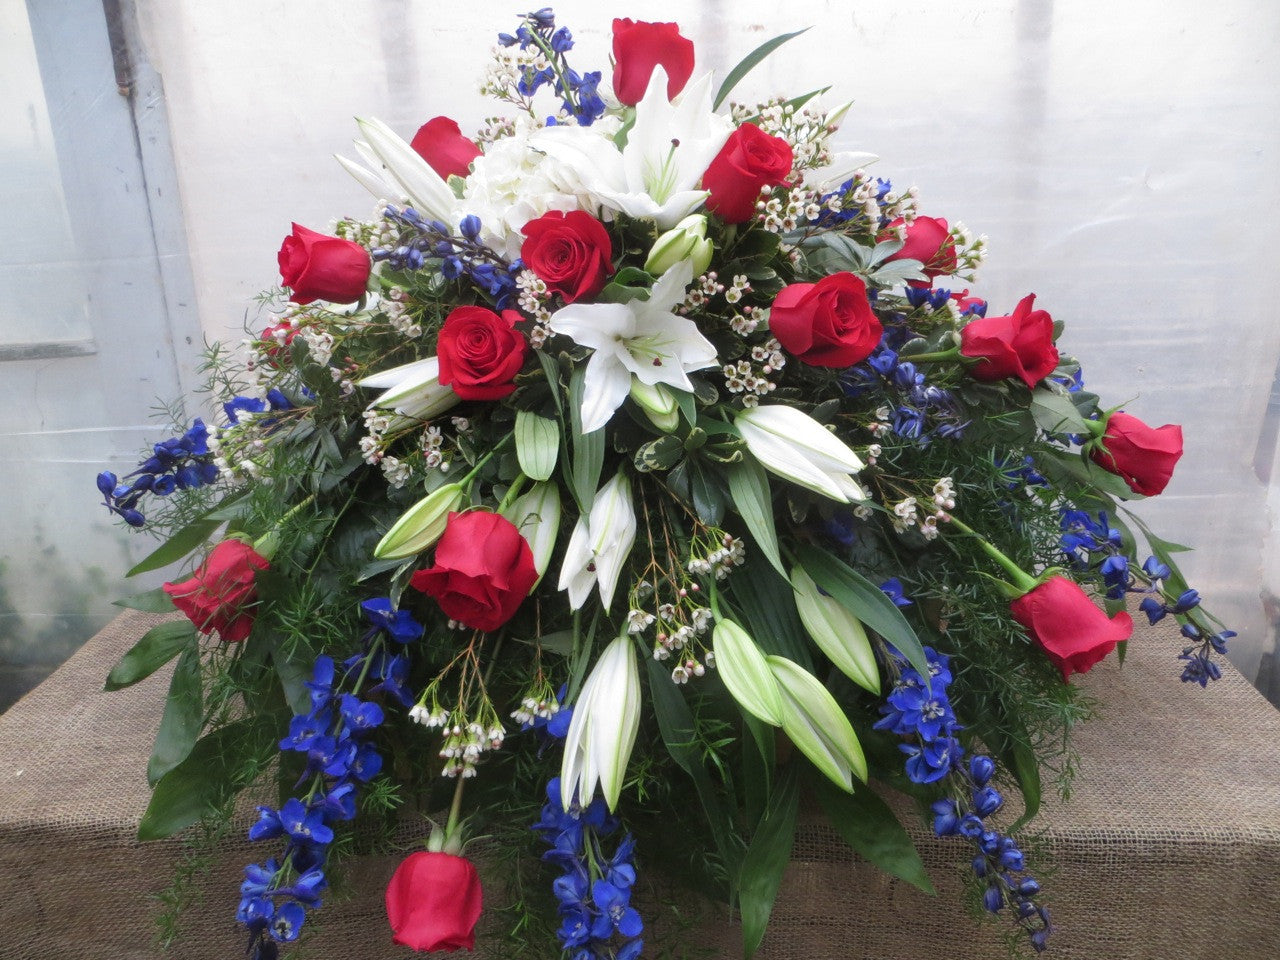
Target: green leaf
<point>629,283</point>
<point>764,597</point>
<point>157,647</point>
<point>1055,413</point>
<point>1021,759</point>
<point>708,499</point>
<point>551,370</point>
<point>153,601</point>
<point>749,63</point>
<point>178,546</point>
<point>864,600</point>
<point>294,672</point>
<point>202,781</point>
<point>183,716</point>
<point>660,454</point>
<point>588,448</point>
<point>766,859</point>
<point>749,488</point>
<point>870,827</point>
<point>679,734</point>
<point>537,445</point>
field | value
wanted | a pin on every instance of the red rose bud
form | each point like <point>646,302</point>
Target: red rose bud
<point>569,252</point>
<point>483,571</point>
<point>316,266</point>
<point>1020,345</point>
<point>434,901</point>
<point>929,241</point>
<point>221,594</point>
<point>1073,632</point>
<point>480,352</point>
<point>1142,456</point>
<point>749,161</point>
<point>826,324</point>
<point>638,47</point>
<point>440,142</point>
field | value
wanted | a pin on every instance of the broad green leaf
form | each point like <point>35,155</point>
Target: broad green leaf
<point>749,63</point>
<point>766,860</point>
<point>588,448</point>
<point>537,445</point>
<point>294,672</point>
<point>551,370</point>
<point>749,488</point>
<point>202,781</point>
<point>178,546</point>
<point>153,601</point>
<point>183,716</point>
<point>679,734</point>
<point>708,499</point>
<point>864,600</point>
<point>871,828</point>
<point>660,454</point>
<point>629,283</point>
<point>1055,413</point>
<point>1021,759</point>
<point>157,647</point>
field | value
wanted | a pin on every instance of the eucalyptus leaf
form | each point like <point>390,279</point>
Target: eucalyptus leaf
<point>537,444</point>
<point>157,647</point>
<point>182,718</point>
<point>766,859</point>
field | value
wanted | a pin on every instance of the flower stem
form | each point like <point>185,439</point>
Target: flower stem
<point>938,356</point>
<point>1021,579</point>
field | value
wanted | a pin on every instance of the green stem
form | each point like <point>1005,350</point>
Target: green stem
<point>556,64</point>
<point>513,491</point>
<point>455,809</point>
<point>937,356</point>
<point>497,448</point>
<point>1021,579</point>
<point>713,599</point>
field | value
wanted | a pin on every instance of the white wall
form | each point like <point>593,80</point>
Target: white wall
<point>1122,157</point>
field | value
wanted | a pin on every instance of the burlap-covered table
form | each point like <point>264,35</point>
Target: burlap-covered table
<point>1170,847</point>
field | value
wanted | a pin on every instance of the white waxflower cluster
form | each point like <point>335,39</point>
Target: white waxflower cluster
<point>396,471</point>
<point>745,323</point>
<point>743,378</point>
<point>371,444</point>
<point>805,128</point>
<point>465,740</point>
<point>971,251</point>
<point>679,623</point>
<point>432,453</point>
<point>739,288</point>
<point>533,299</point>
<point>396,309</point>
<point>880,426</point>
<point>507,66</point>
<point>719,562</point>
<point>701,290</point>
<point>538,702</point>
<point>784,211</point>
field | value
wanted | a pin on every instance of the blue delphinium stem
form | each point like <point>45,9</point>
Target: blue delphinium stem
<point>179,463</point>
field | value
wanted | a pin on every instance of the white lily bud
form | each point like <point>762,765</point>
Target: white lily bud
<point>603,728</point>
<point>657,403</point>
<point>431,196</point>
<point>600,544</point>
<point>687,240</point>
<point>814,722</point>
<point>421,525</point>
<point>837,632</point>
<point>745,671</point>
<point>796,447</point>
<point>536,514</point>
<point>415,390</point>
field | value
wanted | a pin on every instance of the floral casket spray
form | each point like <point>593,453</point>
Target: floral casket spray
<point>637,468</point>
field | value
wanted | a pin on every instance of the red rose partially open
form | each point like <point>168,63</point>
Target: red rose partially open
<point>315,266</point>
<point>483,570</point>
<point>826,324</point>
<point>749,161</point>
<point>1071,629</point>
<point>929,241</point>
<point>1019,345</point>
<point>480,352</point>
<point>1142,456</point>
<point>434,901</point>
<point>221,594</point>
<point>638,47</point>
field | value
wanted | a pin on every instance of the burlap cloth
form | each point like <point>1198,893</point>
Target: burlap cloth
<point>1170,847</point>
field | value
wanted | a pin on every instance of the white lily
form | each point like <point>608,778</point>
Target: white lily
<point>836,631</point>
<point>600,544</point>
<point>603,728</point>
<point>656,174</point>
<point>814,722</point>
<point>396,170</point>
<point>796,447</point>
<point>413,390</point>
<point>421,525</point>
<point>536,514</point>
<point>644,338</point>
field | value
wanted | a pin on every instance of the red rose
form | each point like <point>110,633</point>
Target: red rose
<point>929,241</point>
<point>638,47</point>
<point>1068,626</point>
<point>480,352</point>
<point>440,142</point>
<point>570,253</point>
<point>220,595</point>
<point>826,324</point>
<point>749,161</point>
<point>1019,346</point>
<point>434,901</point>
<point>316,266</point>
<point>483,571</point>
<point>1143,456</point>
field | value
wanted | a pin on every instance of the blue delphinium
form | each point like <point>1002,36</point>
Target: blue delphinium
<point>918,708</point>
<point>333,736</point>
<point>577,92</point>
<point>917,410</point>
<point>179,463</point>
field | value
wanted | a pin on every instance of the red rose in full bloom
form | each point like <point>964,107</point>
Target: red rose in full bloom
<point>1068,626</point>
<point>1020,345</point>
<point>221,594</point>
<point>638,47</point>
<point>316,266</point>
<point>480,352</point>
<point>569,252</point>
<point>483,571</point>
<point>434,901</point>
<point>749,161</point>
<point>440,142</point>
<point>929,241</point>
<point>1142,456</point>
<point>826,324</point>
